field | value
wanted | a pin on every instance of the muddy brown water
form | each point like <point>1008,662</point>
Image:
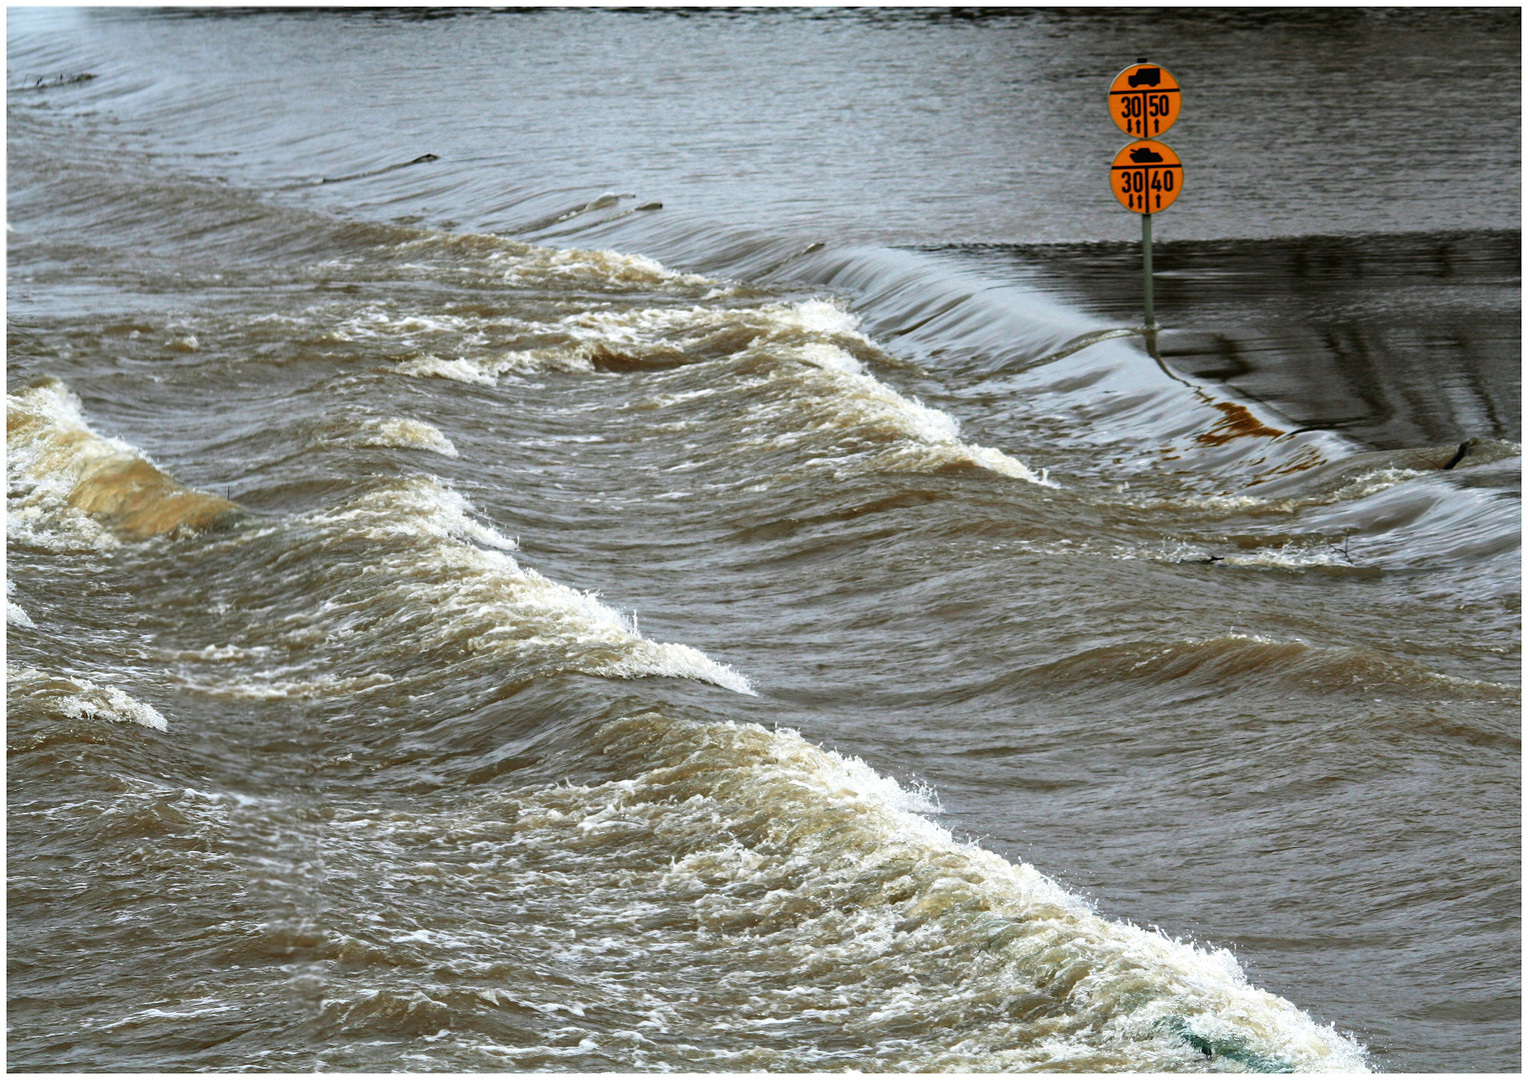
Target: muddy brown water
<point>458,620</point>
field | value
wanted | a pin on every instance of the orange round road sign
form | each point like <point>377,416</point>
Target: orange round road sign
<point>1146,176</point>
<point>1144,100</point>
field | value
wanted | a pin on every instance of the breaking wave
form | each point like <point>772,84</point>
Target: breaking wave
<point>865,934</point>
<point>796,373</point>
<point>430,577</point>
<point>78,698</point>
<point>69,487</point>
<point>404,434</point>
<point>798,854</point>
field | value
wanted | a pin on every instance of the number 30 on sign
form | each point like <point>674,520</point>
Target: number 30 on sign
<point>1146,176</point>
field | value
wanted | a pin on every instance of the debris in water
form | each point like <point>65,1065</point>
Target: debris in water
<point>1460,454</point>
<point>421,159</point>
<point>41,83</point>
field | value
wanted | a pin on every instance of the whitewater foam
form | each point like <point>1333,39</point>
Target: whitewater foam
<point>15,615</point>
<point>523,265</point>
<point>541,266</point>
<point>437,577</point>
<point>48,447</point>
<point>278,685</point>
<point>404,434</point>
<point>457,370</point>
<point>79,698</point>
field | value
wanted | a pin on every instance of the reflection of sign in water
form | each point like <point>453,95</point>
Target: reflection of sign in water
<point>1146,177</point>
<point>1144,100</point>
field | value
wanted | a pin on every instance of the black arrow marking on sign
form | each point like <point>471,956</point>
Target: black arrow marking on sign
<point>1140,121</point>
<point>1146,169</point>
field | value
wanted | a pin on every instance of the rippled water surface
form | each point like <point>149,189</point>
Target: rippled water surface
<point>704,570</point>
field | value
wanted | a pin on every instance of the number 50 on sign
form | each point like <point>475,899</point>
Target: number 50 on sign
<point>1146,176</point>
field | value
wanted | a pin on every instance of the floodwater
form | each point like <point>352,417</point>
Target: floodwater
<point>704,571</point>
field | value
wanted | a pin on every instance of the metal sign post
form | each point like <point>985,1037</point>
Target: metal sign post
<point>1146,175</point>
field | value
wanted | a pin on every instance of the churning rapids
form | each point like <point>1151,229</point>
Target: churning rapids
<point>492,613</point>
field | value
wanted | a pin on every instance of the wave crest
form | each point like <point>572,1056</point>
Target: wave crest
<point>433,576</point>
<point>69,486</point>
<point>797,371</point>
<point>404,434</point>
<point>800,865</point>
<point>79,698</point>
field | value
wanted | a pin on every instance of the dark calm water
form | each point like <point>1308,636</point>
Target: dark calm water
<point>706,573</point>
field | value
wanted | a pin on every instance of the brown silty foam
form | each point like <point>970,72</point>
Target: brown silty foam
<point>138,501</point>
<point>1239,423</point>
<point>124,492</point>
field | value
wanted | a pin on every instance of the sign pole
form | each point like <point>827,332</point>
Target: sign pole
<point>1151,315</point>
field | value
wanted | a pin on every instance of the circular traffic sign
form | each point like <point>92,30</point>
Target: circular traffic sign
<point>1144,100</point>
<point>1146,176</point>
